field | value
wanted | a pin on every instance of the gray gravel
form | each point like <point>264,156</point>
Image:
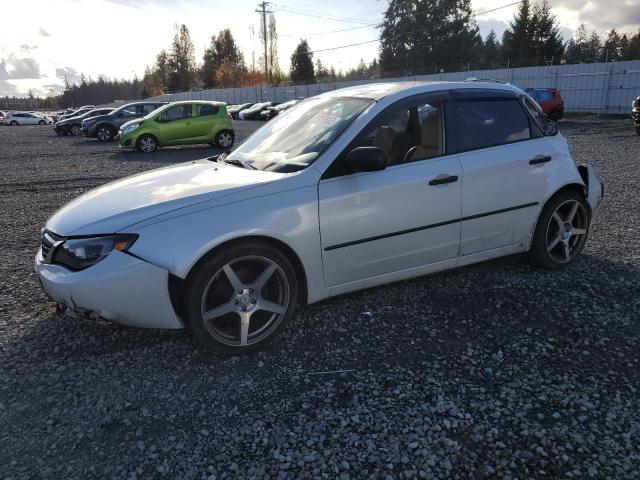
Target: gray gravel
<point>495,370</point>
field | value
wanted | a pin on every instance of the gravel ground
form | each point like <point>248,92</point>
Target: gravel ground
<point>495,370</point>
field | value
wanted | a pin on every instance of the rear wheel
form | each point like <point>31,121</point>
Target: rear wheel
<point>76,129</point>
<point>42,122</point>
<point>146,144</point>
<point>638,129</point>
<point>225,139</point>
<point>105,133</point>
<point>561,231</point>
<point>240,298</point>
<point>13,123</point>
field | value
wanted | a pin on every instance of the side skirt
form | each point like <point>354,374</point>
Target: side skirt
<point>426,269</point>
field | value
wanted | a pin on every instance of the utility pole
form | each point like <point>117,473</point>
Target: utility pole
<point>262,10</point>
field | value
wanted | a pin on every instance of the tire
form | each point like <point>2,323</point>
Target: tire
<point>42,122</point>
<point>105,133</point>
<point>147,143</point>
<point>227,285</point>
<point>13,123</point>
<point>561,231</point>
<point>225,139</point>
<point>75,129</point>
<point>638,129</point>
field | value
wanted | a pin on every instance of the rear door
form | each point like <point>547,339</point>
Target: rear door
<point>406,216</point>
<point>506,169</point>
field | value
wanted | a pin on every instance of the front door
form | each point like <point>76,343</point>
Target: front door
<point>175,124</point>
<point>405,216</point>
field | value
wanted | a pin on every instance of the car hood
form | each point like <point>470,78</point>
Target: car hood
<point>119,204</point>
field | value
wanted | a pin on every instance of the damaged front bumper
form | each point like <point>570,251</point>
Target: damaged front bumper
<point>121,288</point>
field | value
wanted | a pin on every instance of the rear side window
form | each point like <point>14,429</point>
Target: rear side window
<point>206,109</point>
<point>482,123</point>
<point>148,108</point>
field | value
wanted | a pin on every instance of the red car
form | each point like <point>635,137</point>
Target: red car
<point>550,100</point>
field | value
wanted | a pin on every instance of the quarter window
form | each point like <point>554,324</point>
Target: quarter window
<point>206,109</point>
<point>147,108</point>
<point>482,123</point>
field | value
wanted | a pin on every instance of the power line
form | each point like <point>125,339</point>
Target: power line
<point>314,14</point>
<point>405,33</point>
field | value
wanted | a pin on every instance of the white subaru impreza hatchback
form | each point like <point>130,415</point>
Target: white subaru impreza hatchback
<point>350,189</point>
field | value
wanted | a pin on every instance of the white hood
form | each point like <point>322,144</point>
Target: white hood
<point>122,203</point>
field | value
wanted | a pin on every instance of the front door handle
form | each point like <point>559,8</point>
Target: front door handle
<point>442,179</point>
<point>540,159</point>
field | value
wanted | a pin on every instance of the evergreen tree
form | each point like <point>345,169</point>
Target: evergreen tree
<point>611,49</point>
<point>632,52</point>
<point>593,48</point>
<point>547,41</point>
<point>182,62</point>
<point>577,47</point>
<point>222,47</point>
<point>491,51</point>
<point>276,76</point>
<point>302,64</point>
<point>517,38</point>
<point>419,35</point>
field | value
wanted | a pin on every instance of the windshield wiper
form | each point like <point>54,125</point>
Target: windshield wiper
<point>236,161</point>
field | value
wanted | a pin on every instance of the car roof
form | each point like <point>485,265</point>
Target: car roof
<point>207,102</point>
<point>377,91</point>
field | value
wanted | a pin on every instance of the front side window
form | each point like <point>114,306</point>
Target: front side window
<point>292,142</point>
<point>130,111</point>
<point>147,108</point>
<point>406,132</point>
<point>206,109</point>
<point>176,113</point>
<point>482,123</point>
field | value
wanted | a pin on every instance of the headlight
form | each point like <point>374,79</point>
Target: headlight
<point>81,253</point>
<point>130,128</point>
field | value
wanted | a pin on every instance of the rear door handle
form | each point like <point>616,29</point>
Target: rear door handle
<point>442,179</point>
<point>540,159</point>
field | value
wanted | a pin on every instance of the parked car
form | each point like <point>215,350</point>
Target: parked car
<point>253,112</point>
<point>271,112</point>
<point>75,113</point>
<point>2,115</point>
<point>550,100</point>
<point>228,246</point>
<point>635,114</point>
<point>105,127</point>
<point>179,123</point>
<point>26,118</point>
<point>73,125</point>
<point>236,109</point>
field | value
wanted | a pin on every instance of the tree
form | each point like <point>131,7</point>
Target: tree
<point>222,47</point>
<point>548,45</point>
<point>419,35</point>
<point>577,47</point>
<point>611,48</point>
<point>321,72</point>
<point>182,62</point>
<point>632,52</point>
<point>491,51</point>
<point>593,48</point>
<point>517,38</point>
<point>275,72</point>
<point>302,64</point>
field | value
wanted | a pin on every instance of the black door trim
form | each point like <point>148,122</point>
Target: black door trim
<point>427,227</point>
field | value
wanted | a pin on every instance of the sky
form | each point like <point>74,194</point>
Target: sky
<point>41,41</point>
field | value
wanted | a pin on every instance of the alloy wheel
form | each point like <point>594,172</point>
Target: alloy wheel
<point>76,130</point>
<point>104,134</point>
<point>566,231</point>
<point>225,139</point>
<point>245,301</point>
<point>147,144</point>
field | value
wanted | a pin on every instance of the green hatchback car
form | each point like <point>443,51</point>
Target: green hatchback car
<point>179,123</point>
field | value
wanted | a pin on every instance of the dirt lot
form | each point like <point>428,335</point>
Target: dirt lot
<point>495,370</point>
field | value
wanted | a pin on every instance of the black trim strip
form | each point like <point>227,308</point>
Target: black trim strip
<point>427,227</point>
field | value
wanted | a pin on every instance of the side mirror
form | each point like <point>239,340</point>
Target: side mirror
<point>550,128</point>
<point>366,159</point>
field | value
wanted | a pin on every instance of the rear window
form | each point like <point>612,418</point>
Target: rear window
<point>206,109</point>
<point>543,95</point>
<point>482,123</point>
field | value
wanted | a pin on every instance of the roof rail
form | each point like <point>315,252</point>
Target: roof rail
<point>475,79</point>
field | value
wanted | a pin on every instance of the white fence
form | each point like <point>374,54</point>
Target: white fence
<point>588,87</point>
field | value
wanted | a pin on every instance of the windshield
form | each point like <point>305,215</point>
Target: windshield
<point>295,138</point>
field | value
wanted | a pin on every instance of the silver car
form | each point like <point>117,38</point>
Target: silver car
<point>347,190</point>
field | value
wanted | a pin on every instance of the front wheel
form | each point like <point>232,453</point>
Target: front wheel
<point>238,299</point>
<point>13,123</point>
<point>146,144</point>
<point>105,133</point>
<point>638,129</point>
<point>561,231</point>
<point>76,130</point>
<point>42,122</point>
<point>225,139</point>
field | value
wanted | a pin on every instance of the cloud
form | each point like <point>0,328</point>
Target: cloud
<point>623,15</point>
<point>70,73</point>
<point>28,48</point>
<point>43,32</point>
<point>13,67</point>
<point>7,89</point>
<point>497,26</point>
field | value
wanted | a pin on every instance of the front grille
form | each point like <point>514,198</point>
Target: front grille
<point>47,241</point>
